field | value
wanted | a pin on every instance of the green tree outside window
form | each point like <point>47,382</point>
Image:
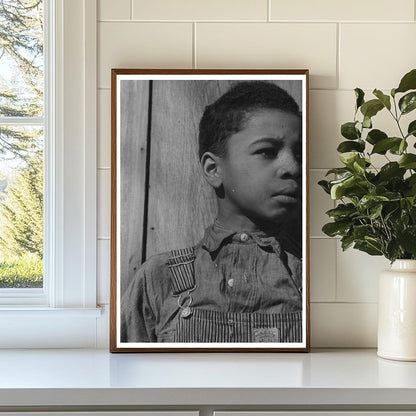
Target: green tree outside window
<point>21,143</point>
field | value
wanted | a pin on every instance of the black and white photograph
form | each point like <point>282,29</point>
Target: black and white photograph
<point>209,215</point>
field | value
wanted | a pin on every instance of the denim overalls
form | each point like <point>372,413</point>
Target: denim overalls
<point>196,324</point>
<point>231,287</point>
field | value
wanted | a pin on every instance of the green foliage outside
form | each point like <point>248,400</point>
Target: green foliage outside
<point>376,212</point>
<point>21,271</point>
<point>21,147</point>
<point>21,213</point>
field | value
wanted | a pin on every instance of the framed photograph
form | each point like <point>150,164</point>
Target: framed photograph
<point>209,210</point>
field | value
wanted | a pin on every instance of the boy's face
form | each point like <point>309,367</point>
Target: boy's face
<point>261,174</point>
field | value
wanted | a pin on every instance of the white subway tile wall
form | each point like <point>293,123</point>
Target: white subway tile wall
<point>270,45</point>
<point>355,10</point>
<point>375,55</point>
<point>345,44</point>
<point>142,45</point>
<point>349,325</point>
<point>114,10</point>
<point>200,10</point>
<point>357,275</point>
<point>323,269</point>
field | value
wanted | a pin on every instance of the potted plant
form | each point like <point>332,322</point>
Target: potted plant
<point>376,209</point>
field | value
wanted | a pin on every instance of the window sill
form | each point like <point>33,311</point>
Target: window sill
<point>34,311</point>
<point>39,327</point>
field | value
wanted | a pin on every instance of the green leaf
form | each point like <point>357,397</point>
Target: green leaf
<point>369,201</point>
<point>408,161</point>
<point>367,122</point>
<point>393,92</point>
<point>375,211</point>
<point>325,186</point>
<point>385,144</point>
<point>338,171</point>
<point>348,158</point>
<point>371,108</point>
<point>359,165</point>
<point>408,82</point>
<point>411,184</point>
<point>342,211</point>
<point>361,231</point>
<point>368,248</point>
<point>349,131</point>
<point>359,95</point>
<point>375,136</point>
<point>336,228</point>
<point>407,239</point>
<point>346,242</point>
<point>411,130</point>
<point>408,102</point>
<point>393,250</point>
<point>338,189</point>
<point>391,170</point>
<point>350,146</point>
<point>385,99</point>
<point>398,149</point>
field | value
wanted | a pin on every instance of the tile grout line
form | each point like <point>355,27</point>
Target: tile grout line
<point>308,22</point>
<point>194,63</point>
<point>343,303</point>
<point>131,9</point>
<point>269,10</point>
<point>338,66</point>
<point>336,271</point>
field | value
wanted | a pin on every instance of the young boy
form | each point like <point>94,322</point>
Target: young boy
<point>243,281</point>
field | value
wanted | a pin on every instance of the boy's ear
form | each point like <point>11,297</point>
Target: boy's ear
<point>211,169</point>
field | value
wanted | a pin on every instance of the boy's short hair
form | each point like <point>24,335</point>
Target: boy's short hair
<point>228,113</point>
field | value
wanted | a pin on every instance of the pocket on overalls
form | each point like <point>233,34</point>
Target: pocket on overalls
<point>285,327</point>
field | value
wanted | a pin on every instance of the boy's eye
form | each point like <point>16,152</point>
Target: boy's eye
<point>268,152</point>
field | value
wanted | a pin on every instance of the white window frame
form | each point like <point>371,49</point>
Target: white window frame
<point>64,313</point>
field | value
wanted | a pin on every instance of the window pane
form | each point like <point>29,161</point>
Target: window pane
<point>21,207</point>
<point>21,58</point>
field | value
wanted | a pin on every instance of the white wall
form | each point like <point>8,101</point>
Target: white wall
<point>345,44</point>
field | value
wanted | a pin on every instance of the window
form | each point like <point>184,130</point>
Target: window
<point>22,128</point>
<point>63,312</point>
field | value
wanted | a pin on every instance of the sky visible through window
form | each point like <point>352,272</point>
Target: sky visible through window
<point>21,143</point>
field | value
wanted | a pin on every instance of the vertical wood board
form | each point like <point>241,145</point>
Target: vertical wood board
<point>134,106</point>
<point>181,203</point>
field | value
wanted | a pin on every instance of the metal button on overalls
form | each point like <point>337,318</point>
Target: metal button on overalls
<point>243,237</point>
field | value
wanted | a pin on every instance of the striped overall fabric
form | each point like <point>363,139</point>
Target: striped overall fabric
<point>211,326</point>
<point>204,325</point>
<point>181,265</point>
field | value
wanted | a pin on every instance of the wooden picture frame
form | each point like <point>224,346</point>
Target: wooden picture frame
<point>163,199</point>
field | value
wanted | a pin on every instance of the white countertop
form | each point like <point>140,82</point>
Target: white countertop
<point>96,377</point>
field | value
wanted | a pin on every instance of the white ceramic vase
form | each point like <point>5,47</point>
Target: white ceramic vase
<point>397,312</point>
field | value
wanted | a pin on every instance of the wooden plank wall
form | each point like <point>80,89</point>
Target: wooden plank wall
<point>134,110</point>
<point>181,203</point>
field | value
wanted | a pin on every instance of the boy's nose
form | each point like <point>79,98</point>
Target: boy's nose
<point>289,166</point>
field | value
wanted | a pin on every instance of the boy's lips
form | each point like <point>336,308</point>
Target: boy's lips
<point>287,195</point>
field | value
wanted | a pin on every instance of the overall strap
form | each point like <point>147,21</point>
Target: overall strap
<point>181,266</point>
